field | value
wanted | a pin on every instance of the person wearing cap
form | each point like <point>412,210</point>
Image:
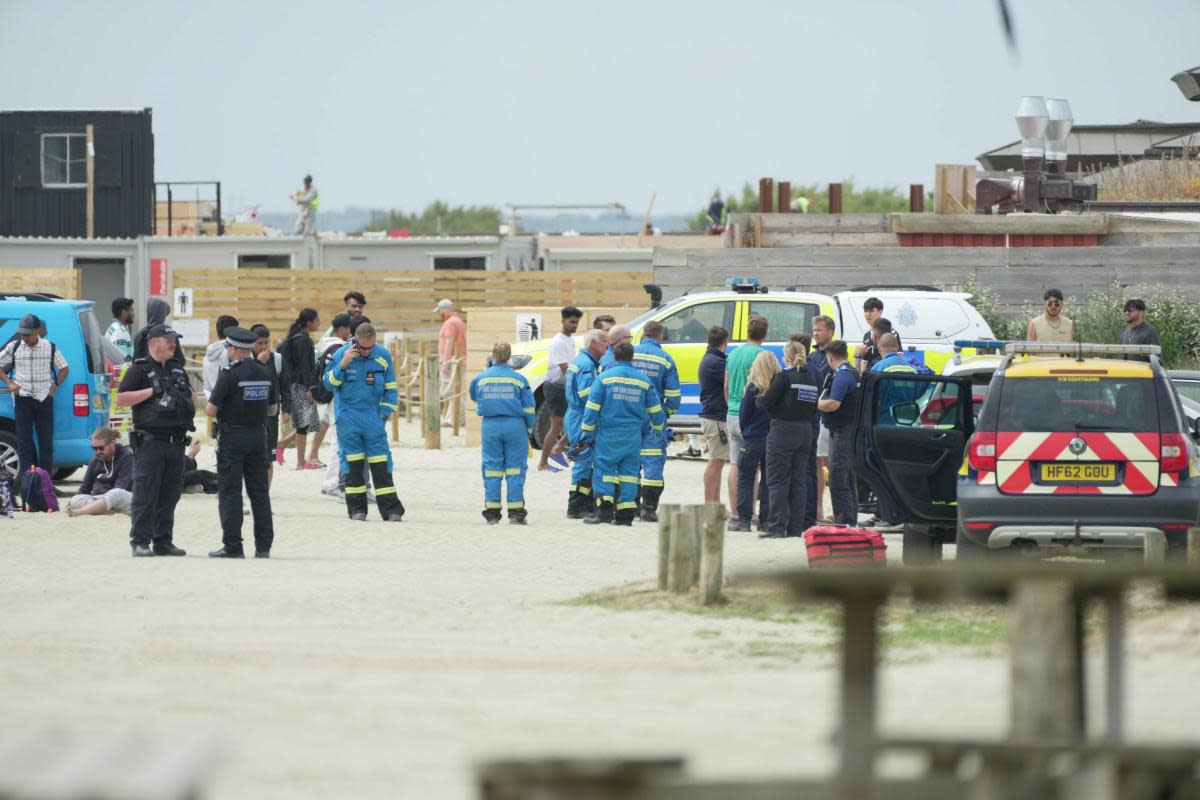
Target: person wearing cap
<point>156,387</point>
<point>307,200</point>
<point>452,349</point>
<point>37,370</point>
<point>243,398</point>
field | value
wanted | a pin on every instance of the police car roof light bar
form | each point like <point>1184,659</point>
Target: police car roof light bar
<point>746,285</point>
<point>1081,349</point>
<point>980,344</point>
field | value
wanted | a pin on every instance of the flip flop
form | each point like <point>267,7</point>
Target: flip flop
<point>558,458</point>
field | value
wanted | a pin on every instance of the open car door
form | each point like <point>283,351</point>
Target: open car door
<point>909,441</point>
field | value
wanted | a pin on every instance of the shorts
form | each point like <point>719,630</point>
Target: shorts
<point>272,435</point>
<point>556,398</point>
<point>304,412</point>
<point>734,425</point>
<point>716,438</point>
<point>823,443</point>
<point>119,501</point>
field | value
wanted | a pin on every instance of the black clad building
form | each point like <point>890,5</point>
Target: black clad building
<point>43,173</point>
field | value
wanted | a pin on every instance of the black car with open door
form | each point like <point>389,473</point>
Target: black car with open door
<point>909,443</point>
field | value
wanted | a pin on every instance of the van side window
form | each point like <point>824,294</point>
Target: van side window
<point>690,325</point>
<point>784,319</point>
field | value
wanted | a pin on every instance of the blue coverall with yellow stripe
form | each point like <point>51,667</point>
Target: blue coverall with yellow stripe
<point>619,405</point>
<point>651,360</point>
<point>581,374</point>
<point>503,398</point>
<point>364,396</point>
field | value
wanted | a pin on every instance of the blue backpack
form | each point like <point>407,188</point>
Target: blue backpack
<point>920,366</point>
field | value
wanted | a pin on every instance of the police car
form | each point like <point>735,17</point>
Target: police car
<point>928,320</point>
<point>1074,448</point>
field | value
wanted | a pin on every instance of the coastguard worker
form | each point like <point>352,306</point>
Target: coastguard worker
<point>618,407</point>
<point>581,375</point>
<point>504,400</point>
<point>616,335</point>
<point>892,394</point>
<point>651,360</point>
<point>243,397</point>
<point>363,381</point>
<point>157,389</point>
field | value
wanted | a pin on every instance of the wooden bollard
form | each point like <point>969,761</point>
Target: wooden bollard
<point>712,552</point>
<point>1044,660</point>
<point>835,198</point>
<point>431,404</point>
<point>698,539</point>
<point>681,568</point>
<point>1155,547</point>
<point>666,511</point>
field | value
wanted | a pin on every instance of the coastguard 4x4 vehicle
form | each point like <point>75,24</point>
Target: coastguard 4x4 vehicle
<point>81,405</point>
<point>1074,447</point>
<point>928,320</point>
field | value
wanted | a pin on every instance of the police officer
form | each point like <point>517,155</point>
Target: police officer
<point>363,381</point>
<point>581,374</point>
<point>503,398</point>
<point>651,360</point>
<point>242,399</point>
<point>618,407</point>
<point>157,389</point>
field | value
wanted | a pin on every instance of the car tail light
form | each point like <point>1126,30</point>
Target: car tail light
<point>1173,453</point>
<point>978,526</point>
<point>981,451</point>
<point>80,399</point>
<point>1175,527</point>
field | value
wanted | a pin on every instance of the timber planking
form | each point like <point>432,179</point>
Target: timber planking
<point>62,282</point>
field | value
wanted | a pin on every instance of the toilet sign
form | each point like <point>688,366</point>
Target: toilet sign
<point>183,303</point>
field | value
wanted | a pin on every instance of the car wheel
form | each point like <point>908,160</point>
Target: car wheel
<point>967,549</point>
<point>9,461</point>
<point>541,425</point>
<point>62,473</point>
<point>920,545</point>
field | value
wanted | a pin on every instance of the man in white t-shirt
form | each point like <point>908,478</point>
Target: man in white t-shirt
<point>562,352</point>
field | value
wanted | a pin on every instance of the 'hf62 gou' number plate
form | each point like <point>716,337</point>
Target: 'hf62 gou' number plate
<point>1076,472</point>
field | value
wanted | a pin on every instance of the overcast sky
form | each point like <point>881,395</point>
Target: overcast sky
<point>395,104</point>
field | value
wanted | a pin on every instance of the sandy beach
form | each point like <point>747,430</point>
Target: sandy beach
<point>383,660</point>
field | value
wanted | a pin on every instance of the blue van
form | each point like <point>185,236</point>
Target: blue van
<point>81,405</point>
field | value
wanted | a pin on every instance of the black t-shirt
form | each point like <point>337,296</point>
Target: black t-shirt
<point>167,411</point>
<point>243,392</point>
<point>872,354</point>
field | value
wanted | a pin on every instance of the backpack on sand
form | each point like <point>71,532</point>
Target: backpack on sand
<point>37,491</point>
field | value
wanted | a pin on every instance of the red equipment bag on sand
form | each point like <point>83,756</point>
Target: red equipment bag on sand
<point>843,546</point>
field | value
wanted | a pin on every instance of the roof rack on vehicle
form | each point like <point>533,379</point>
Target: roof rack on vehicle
<point>1081,349</point>
<point>888,287</point>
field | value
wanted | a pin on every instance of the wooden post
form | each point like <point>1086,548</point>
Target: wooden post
<point>766,195</point>
<point>758,230</point>
<point>666,512</point>
<point>431,405</point>
<point>1155,547</point>
<point>421,385</point>
<point>395,418</point>
<point>1114,603</point>
<point>835,198</point>
<point>91,182</point>
<point>683,551</point>
<point>456,388</point>
<point>859,656</point>
<point>916,198</point>
<point>1193,551</point>
<point>1047,668</point>
<point>785,197</point>
<point>712,553</point>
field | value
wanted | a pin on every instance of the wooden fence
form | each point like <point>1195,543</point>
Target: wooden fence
<point>395,300</point>
<point>62,282</point>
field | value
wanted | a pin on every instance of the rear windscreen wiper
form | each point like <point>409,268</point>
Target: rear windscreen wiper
<point>1083,426</point>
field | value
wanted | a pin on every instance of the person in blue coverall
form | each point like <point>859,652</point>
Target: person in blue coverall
<point>581,374</point>
<point>651,360</point>
<point>503,398</point>
<point>363,381</point>
<point>619,405</point>
<point>616,335</point>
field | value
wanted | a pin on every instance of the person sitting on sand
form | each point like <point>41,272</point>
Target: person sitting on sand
<point>108,483</point>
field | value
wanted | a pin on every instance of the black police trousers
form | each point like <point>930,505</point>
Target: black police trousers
<point>242,456</point>
<point>157,484</point>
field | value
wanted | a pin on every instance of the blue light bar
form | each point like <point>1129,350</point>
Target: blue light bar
<point>740,281</point>
<point>980,344</point>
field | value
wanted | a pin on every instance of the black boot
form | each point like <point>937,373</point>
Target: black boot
<point>356,491</point>
<point>625,516</point>
<point>581,503</point>
<point>649,502</point>
<point>492,515</point>
<point>516,516</point>
<point>603,514</point>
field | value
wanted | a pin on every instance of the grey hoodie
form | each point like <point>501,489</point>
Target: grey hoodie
<point>157,310</point>
<point>216,358</point>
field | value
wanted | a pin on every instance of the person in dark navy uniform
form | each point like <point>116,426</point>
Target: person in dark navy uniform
<point>244,396</point>
<point>157,389</point>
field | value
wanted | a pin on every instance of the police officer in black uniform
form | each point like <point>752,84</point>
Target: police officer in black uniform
<point>157,389</point>
<point>242,399</point>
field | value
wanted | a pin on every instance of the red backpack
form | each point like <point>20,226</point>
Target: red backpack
<point>844,546</point>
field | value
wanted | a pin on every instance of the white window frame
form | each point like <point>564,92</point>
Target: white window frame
<point>42,163</point>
